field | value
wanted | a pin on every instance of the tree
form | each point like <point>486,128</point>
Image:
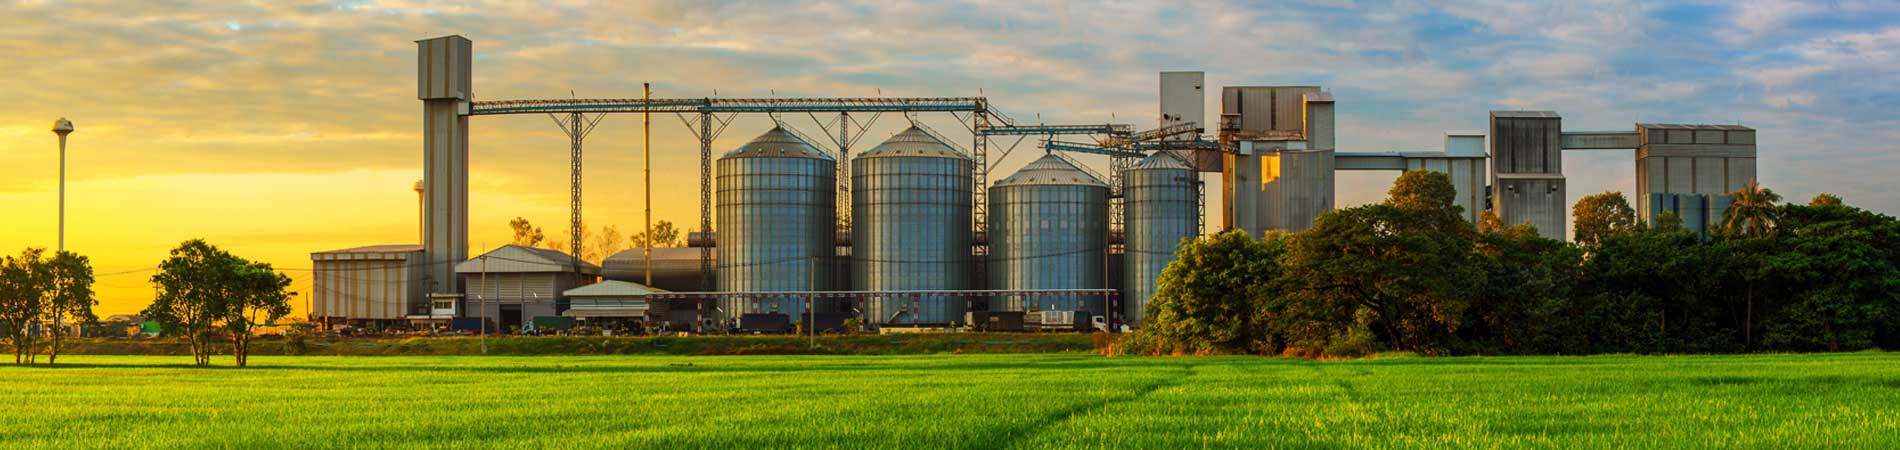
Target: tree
<point>69,298</point>
<point>1401,270</point>
<point>192,287</point>
<point>664,233</point>
<point>526,234</point>
<point>1601,215</point>
<point>1836,270</point>
<point>608,242</point>
<point>1523,306</point>
<point>257,295</point>
<point>23,285</point>
<point>1208,300</point>
<point>1489,222</point>
<point>1753,212</point>
<point>202,289</point>
<point>1825,199</point>
<point>587,252</point>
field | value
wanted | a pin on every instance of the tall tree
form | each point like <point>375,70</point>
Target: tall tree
<point>587,252</point>
<point>1598,216</point>
<point>1401,269</point>
<point>526,234</point>
<point>1835,271</point>
<point>664,235</point>
<point>193,285</point>
<point>608,242</point>
<point>1753,212</point>
<point>23,286</point>
<point>1208,300</point>
<point>69,298</point>
<point>258,295</point>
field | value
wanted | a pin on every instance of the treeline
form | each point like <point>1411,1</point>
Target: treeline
<point>40,297</point>
<point>205,295</point>
<point>1409,274</point>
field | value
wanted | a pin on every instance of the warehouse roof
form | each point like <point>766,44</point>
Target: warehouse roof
<point>613,288</point>
<point>518,259</point>
<point>386,248</point>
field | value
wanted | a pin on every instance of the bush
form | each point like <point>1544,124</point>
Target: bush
<point>294,343</point>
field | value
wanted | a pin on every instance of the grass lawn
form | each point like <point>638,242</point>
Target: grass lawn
<point>954,401</point>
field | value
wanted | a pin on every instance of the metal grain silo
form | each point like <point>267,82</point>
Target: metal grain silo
<point>775,201</point>
<point>1159,211</point>
<point>910,228</point>
<point>1048,229</point>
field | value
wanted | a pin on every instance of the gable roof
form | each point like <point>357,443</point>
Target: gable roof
<point>518,259</point>
<point>613,288</point>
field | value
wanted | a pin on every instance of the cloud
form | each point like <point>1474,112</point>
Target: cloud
<point>207,90</point>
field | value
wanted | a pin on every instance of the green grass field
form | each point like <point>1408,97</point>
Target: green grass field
<point>955,401</point>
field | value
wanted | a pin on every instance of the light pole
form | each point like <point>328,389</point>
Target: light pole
<point>62,127</point>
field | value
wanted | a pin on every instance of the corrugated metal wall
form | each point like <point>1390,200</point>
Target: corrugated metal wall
<point>1537,201</point>
<point>1298,187</point>
<point>368,289</point>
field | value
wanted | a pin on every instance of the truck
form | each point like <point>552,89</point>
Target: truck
<point>994,320</point>
<point>1065,321</point>
<point>764,323</point>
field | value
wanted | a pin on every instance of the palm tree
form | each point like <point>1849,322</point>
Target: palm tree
<point>1753,212</point>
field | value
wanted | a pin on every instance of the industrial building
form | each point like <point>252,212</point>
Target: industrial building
<point>512,285</point>
<point>912,232</point>
<point>373,285</point>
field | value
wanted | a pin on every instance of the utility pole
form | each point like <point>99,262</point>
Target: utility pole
<point>811,314</point>
<point>646,169</point>
<point>484,302</point>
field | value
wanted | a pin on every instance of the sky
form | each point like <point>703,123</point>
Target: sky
<point>275,129</point>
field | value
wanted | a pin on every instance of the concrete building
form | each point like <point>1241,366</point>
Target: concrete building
<point>512,285</point>
<point>1281,175</point>
<point>1527,179</point>
<point>378,284</point>
<point>1692,167</point>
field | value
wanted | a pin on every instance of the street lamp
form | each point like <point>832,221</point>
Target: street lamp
<point>62,127</point>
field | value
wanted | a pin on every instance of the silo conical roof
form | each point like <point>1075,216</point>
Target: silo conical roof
<point>1050,170</point>
<point>777,143</point>
<point>913,142</point>
<point>1161,160</point>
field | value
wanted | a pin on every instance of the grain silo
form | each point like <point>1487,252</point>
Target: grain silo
<point>910,228</point>
<point>1048,226</point>
<point>1159,212</point>
<point>775,199</point>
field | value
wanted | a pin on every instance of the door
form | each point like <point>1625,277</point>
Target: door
<point>510,316</point>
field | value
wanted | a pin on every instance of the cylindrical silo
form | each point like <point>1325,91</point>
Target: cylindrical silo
<point>1048,228</point>
<point>775,201</point>
<point>910,228</point>
<point>1159,211</point>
